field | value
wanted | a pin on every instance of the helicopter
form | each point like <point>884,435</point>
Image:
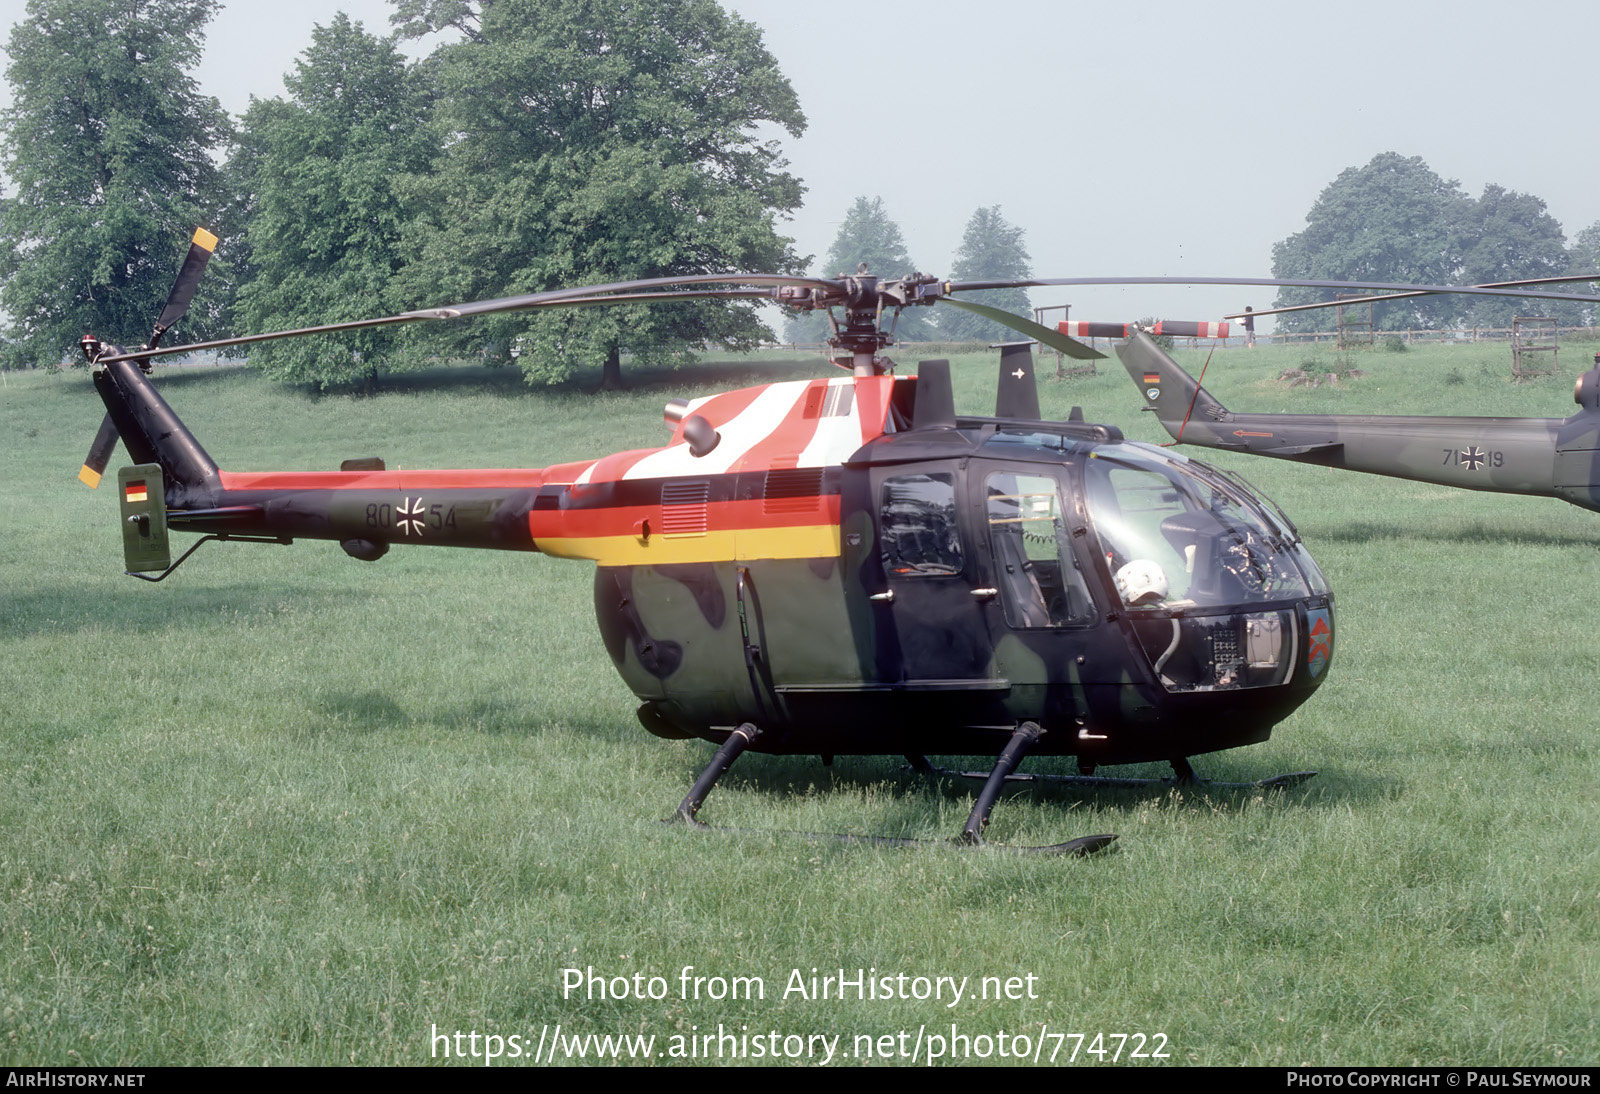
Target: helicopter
<point>1541,457</point>
<point>843,565</point>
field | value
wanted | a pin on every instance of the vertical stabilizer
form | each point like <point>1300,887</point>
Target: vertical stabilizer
<point>153,433</point>
<point>1017,395</point>
<point>1168,390</point>
<point>935,407</point>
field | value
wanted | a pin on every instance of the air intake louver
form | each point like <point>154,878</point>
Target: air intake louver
<point>683,508</point>
<point>792,490</point>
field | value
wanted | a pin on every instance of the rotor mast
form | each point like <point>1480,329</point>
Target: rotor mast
<point>857,337</point>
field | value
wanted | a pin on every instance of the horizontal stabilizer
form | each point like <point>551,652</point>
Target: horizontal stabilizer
<point>1333,451</point>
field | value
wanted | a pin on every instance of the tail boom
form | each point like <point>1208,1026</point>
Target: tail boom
<point>153,433</point>
<point>1544,457</point>
<point>366,510</point>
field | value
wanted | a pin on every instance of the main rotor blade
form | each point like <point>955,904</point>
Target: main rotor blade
<point>588,295</point>
<point>188,280</point>
<point>1269,282</point>
<point>657,297</point>
<point>1565,280</point>
<point>584,294</point>
<point>540,299</point>
<point>1054,339</point>
<point>94,465</point>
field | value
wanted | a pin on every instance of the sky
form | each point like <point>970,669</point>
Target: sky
<point>1146,137</point>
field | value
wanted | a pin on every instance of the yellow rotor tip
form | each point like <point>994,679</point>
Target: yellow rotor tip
<point>204,240</point>
<point>91,476</point>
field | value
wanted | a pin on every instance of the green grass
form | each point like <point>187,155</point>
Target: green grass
<point>291,808</point>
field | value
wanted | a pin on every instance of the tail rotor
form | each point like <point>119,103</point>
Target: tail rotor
<point>105,442</point>
<point>177,306</point>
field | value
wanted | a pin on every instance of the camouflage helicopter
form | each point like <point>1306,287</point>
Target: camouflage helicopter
<point>1542,457</point>
<point>843,565</point>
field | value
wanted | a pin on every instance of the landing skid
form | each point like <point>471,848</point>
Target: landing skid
<point>1083,845</point>
<point>1024,738</point>
<point>1182,775</point>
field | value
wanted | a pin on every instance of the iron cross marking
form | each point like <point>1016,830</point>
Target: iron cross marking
<point>409,516</point>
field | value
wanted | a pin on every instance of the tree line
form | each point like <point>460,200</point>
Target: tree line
<point>1395,220</point>
<point>549,143</point>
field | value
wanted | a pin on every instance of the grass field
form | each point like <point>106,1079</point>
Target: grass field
<point>291,808</point>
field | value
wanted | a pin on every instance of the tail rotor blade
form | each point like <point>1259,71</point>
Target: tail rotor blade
<point>183,289</point>
<point>99,454</point>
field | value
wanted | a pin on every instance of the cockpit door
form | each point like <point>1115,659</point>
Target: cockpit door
<point>933,575</point>
<point>1038,580</point>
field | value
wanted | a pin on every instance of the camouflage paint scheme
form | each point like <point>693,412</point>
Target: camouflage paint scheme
<point>748,582</point>
<point>1545,457</point>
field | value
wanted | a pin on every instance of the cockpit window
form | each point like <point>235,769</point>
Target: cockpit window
<point>1039,579</point>
<point>918,519</point>
<point>1177,535</point>
<point>1129,506</point>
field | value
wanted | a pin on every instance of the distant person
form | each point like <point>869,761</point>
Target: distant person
<point>1249,326</point>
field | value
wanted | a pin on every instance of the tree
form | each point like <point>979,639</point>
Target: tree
<point>1583,256</point>
<point>590,141</point>
<point>108,145</point>
<point>991,250</point>
<point>323,217</point>
<point>1510,237</point>
<point>1392,220</point>
<point>867,235</point>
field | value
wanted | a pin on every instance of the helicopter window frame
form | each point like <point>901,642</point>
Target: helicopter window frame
<point>920,536</point>
<point>1040,576</point>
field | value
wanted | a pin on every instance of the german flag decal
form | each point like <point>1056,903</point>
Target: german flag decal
<point>136,491</point>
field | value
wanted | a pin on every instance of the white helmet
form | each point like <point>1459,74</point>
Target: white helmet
<point>1142,582</point>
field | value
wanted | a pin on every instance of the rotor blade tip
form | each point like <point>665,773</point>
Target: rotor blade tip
<point>205,240</point>
<point>90,476</point>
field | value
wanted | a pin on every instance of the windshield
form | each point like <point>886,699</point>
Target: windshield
<point>1177,535</point>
